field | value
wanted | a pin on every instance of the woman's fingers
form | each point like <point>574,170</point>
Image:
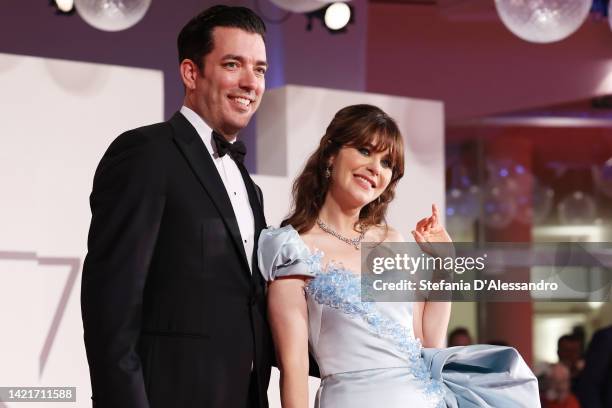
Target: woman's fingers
<point>423,242</point>
<point>418,237</point>
<point>432,222</point>
<point>422,224</point>
<point>435,216</point>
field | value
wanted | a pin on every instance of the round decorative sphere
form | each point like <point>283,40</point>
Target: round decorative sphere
<point>543,21</point>
<point>301,6</point>
<point>577,208</point>
<point>112,15</point>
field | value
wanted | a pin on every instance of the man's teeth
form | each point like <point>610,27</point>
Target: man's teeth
<point>243,101</point>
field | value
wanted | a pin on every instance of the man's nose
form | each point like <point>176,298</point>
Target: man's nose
<point>248,80</point>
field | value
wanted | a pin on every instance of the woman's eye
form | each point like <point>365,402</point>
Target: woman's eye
<point>386,163</point>
<point>364,151</point>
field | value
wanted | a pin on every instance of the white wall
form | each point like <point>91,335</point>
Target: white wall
<point>57,119</point>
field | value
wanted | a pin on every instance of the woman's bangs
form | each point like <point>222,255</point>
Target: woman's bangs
<point>385,140</point>
<point>379,140</point>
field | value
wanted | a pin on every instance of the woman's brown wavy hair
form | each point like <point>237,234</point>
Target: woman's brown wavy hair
<point>353,126</point>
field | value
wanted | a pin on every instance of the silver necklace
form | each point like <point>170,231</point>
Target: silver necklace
<point>351,241</point>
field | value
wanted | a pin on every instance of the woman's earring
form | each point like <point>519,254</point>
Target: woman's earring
<point>328,172</point>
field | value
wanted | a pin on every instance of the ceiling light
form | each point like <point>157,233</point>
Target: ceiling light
<point>65,6</point>
<point>337,16</point>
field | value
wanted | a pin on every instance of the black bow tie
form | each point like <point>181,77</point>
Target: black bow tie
<point>236,150</point>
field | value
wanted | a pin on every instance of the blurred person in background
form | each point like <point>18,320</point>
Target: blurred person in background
<point>460,336</point>
<point>569,350</point>
<point>556,387</point>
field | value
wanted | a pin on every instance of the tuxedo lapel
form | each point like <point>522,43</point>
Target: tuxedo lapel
<point>258,214</point>
<point>256,206</point>
<point>196,154</point>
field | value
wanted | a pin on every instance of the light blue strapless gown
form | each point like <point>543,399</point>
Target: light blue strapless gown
<point>368,355</point>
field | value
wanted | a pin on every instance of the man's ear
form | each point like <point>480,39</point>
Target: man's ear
<point>189,73</point>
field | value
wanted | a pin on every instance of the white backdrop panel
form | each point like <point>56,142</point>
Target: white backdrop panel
<point>290,124</point>
<point>58,118</point>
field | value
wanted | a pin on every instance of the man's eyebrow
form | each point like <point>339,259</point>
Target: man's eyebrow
<point>242,59</point>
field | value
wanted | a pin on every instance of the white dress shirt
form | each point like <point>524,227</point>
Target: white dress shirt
<point>233,182</point>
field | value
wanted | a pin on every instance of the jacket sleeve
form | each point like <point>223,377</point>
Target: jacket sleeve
<point>127,204</point>
<point>597,363</point>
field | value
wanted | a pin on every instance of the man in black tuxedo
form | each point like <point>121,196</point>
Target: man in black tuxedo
<point>173,303</point>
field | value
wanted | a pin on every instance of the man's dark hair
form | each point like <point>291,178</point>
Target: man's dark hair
<point>195,40</point>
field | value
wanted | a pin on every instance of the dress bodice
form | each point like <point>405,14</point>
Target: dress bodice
<point>345,334</point>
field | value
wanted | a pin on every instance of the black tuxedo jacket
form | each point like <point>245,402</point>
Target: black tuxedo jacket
<point>595,381</point>
<point>172,315</point>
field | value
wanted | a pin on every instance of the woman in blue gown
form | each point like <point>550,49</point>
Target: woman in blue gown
<point>384,354</point>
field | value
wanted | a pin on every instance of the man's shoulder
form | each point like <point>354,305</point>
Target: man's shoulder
<point>137,154</point>
<point>143,138</point>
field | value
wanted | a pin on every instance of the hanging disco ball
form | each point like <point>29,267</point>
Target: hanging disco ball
<point>301,6</point>
<point>112,15</point>
<point>543,21</point>
<point>578,208</point>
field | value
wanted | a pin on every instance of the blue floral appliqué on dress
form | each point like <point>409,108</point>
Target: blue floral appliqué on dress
<point>339,288</point>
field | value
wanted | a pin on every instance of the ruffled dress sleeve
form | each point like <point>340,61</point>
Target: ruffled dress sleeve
<point>281,253</point>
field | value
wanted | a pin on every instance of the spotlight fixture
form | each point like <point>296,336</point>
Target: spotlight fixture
<point>337,16</point>
<point>63,7</point>
<point>334,17</point>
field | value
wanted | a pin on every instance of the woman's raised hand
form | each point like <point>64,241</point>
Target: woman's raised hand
<point>429,230</point>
